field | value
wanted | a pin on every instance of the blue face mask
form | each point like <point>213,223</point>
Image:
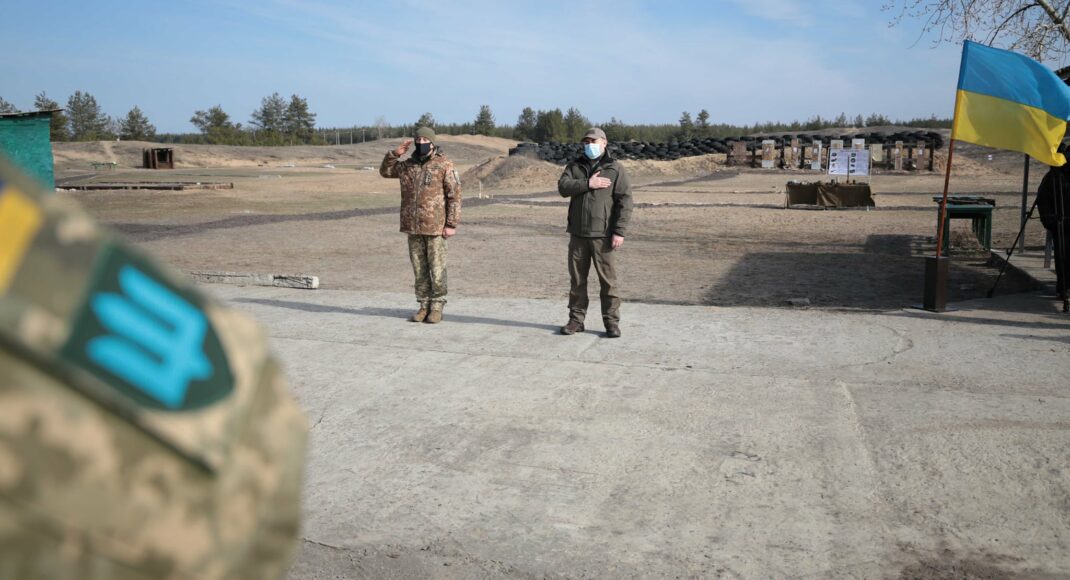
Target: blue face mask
<point>592,150</point>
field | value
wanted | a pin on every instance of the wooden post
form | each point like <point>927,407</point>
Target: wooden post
<point>768,151</point>
<point>739,153</point>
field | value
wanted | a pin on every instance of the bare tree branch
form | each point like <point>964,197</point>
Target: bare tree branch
<point>1036,27</point>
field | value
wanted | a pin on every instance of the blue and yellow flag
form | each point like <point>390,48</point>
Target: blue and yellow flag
<point>1009,101</point>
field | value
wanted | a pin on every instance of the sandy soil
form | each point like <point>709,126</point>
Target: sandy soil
<point>73,158</point>
<point>702,233</point>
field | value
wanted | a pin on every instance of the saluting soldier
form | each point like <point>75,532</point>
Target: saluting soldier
<point>430,214</point>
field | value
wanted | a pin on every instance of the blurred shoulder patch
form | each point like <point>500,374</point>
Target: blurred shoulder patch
<point>147,338</point>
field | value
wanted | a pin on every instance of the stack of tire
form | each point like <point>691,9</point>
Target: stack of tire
<point>562,153</point>
<point>525,150</point>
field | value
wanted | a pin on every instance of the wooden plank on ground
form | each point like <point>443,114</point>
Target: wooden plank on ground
<point>256,279</point>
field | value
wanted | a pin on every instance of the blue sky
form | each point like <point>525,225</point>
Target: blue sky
<point>744,61</point>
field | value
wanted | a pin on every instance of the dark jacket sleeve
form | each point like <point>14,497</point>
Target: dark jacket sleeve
<point>622,204</point>
<point>1046,200</point>
<point>389,166</point>
<point>569,186</point>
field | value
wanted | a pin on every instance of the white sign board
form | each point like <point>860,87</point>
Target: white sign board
<point>876,153</point>
<point>848,162</point>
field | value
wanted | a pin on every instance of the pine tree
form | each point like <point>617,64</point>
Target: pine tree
<point>841,121</point>
<point>615,130</point>
<point>687,127</point>
<point>57,129</point>
<point>6,107</point>
<point>216,126</point>
<point>271,114</point>
<point>298,121</point>
<point>859,121</point>
<point>703,122</point>
<point>876,120</point>
<point>426,120</point>
<point>484,124</point>
<point>550,126</point>
<point>136,127</point>
<point>88,122</point>
<point>213,118</point>
<point>525,125</point>
<point>575,125</point>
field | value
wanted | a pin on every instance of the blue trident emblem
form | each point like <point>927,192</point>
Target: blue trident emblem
<point>157,338</point>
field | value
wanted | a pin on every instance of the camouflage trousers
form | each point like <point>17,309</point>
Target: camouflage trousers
<point>428,257</point>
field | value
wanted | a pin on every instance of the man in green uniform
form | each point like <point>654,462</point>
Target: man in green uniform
<point>430,213</point>
<point>600,205</point>
<point>145,431</point>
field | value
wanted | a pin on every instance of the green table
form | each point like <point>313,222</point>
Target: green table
<point>980,216</point>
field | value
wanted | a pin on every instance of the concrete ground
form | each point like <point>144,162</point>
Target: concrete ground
<point>707,442</point>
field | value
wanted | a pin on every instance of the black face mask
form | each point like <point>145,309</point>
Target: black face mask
<point>423,149</point>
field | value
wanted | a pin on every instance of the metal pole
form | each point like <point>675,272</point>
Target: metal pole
<point>1007,260</point>
<point>1025,199</point>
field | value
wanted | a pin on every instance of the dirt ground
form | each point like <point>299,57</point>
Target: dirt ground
<point>701,233</point>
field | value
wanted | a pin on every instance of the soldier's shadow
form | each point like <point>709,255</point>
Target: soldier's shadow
<point>398,313</point>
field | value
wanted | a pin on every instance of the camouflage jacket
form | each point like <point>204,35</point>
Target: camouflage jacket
<point>430,192</point>
<point>145,431</point>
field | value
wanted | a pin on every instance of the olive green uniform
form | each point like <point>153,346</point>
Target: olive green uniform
<point>594,216</point>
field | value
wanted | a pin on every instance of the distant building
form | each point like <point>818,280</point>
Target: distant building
<point>24,139</point>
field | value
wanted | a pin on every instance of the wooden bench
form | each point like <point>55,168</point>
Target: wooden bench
<point>104,165</point>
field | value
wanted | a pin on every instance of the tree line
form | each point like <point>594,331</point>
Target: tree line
<point>275,122</point>
<point>278,121</point>
<point>570,125</point>
<point>83,120</point>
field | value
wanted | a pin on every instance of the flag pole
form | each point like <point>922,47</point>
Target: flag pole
<point>947,179</point>
<point>936,268</point>
<point>943,201</point>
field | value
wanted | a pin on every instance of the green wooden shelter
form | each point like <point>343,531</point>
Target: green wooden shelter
<point>24,139</point>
